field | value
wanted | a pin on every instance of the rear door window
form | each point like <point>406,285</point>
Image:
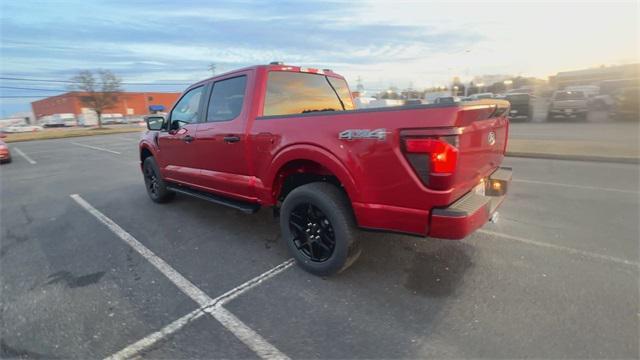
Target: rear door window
<point>299,93</point>
<point>227,98</point>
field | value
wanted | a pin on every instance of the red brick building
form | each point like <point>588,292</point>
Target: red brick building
<point>129,103</point>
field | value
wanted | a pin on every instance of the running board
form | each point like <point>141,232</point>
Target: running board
<point>245,207</point>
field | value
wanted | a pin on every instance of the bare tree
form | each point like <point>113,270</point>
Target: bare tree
<point>98,92</point>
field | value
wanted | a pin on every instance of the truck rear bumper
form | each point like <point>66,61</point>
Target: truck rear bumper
<point>456,221</point>
<point>471,211</point>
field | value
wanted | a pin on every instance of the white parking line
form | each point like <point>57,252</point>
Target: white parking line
<point>30,160</point>
<point>215,309</point>
<point>115,144</point>
<point>574,186</point>
<point>95,148</point>
<point>151,339</point>
<point>587,254</point>
<point>212,306</point>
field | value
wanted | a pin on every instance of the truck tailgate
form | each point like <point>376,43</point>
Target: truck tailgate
<point>482,143</point>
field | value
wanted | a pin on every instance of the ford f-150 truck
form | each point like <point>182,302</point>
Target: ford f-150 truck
<point>289,137</point>
<point>568,104</point>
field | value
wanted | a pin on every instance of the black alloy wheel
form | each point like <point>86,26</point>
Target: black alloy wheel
<point>313,234</point>
<point>151,180</point>
<point>156,187</point>
<point>319,228</point>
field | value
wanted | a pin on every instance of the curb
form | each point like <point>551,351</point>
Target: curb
<point>69,136</point>
<point>594,158</point>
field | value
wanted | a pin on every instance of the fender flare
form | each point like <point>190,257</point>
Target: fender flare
<point>146,145</point>
<point>316,154</point>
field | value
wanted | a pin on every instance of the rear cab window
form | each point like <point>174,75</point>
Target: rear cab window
<point>291,93</point>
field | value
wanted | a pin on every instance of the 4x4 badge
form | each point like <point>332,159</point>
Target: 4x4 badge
<point>351,134</point>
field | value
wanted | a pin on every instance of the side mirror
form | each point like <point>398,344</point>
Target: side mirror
<point>177,124</point>
<point>155,123</point>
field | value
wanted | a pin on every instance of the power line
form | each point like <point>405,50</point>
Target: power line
<point>36,89</point>
<point>24,97</point>
<point>37,80</point>
<point>73,82</point>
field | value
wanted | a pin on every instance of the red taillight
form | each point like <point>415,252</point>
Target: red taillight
<point>442,155</point>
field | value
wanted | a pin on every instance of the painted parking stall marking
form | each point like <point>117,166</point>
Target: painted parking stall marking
<point>95,148</point>
<point>152,339</point>
<point>25,156</point>
<point>213,307</point>
<point>585,187</point>
<point>567,249</point>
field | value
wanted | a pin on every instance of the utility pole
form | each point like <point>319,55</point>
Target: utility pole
<point>212,68</point>
<point>359,86</point>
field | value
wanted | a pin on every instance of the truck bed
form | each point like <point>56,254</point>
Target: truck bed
<point>382,179</point>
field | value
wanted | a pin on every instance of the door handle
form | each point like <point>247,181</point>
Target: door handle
<point>231,139</point>
<point>188,138</point>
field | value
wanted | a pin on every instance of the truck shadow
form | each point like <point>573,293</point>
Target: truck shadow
<point>424,267</point>
<point>427,267</point>
<point>437,273</point>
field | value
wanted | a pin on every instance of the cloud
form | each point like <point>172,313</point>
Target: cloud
<point>383,42</point>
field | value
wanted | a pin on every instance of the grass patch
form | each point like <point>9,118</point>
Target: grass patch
<point>68,133</point>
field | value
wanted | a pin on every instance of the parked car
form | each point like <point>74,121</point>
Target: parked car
<point>627,104</point>
<point>521,105</point>
<point>523,90</point>
<point>52,124</point>
<point>595,98</point>
<point>413,102</point>
<point>5,154</point>
<point>22,128</point>
<point>447,100</point>
<point>289,138</point>
<point>568,104</point>
<point>479,96</point>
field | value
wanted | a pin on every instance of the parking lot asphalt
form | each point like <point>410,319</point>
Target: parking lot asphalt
<point>556,277</point>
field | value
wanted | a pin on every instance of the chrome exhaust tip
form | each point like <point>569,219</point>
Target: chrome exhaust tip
<point>494,217</point>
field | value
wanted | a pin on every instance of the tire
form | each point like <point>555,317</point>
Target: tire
<point>321,209</point>
<point>156,187</point>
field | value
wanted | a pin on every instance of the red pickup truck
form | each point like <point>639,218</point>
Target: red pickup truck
<point>289,137</point>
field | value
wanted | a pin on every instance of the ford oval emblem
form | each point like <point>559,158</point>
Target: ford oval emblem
<point>491,138</point>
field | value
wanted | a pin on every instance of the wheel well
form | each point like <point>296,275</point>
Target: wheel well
<point>301,172</point>
<point>144,153</point>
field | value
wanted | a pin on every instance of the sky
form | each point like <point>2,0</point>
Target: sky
<point>385,43</point>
